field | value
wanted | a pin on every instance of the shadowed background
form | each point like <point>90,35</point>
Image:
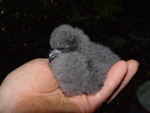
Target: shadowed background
<point>123,25</point>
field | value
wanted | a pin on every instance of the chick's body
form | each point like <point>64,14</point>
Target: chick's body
<point>82,65</point>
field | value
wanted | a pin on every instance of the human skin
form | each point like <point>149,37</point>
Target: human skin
<point>32,88</point>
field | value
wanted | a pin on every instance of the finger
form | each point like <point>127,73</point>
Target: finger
<point>114,78</point>
<point>44,60</point>
<point>132,68</point>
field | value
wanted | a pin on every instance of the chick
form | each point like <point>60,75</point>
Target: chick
<point>79,65</point>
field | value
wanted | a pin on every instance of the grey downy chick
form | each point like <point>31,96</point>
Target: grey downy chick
<point>79,65</point>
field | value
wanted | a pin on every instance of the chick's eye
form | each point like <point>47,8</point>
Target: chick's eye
<point>67,46</point>
<point>64,48</point>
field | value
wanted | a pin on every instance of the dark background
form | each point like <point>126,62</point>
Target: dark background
<point>123,25</point>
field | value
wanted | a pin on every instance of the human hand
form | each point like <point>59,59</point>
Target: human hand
<point>32,88</point>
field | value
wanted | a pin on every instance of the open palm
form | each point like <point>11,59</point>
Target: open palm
<point>32,88</point>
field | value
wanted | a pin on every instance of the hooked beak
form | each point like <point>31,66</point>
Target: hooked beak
<point>54,54</point>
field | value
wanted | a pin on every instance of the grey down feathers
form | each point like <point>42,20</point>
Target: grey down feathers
<point>79,65</point>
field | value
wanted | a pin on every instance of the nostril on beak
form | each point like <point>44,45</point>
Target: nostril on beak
<point>53,54</point>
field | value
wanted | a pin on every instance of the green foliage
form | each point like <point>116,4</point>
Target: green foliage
<point>96,10</point>
<point>138,38</point>
<point>108,8</point>
<point>71,11</point>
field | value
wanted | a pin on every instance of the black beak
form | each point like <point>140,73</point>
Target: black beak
<point>53,54</point>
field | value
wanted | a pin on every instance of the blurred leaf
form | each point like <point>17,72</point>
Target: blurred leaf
<point>107,9</point>
<point>138,38</point>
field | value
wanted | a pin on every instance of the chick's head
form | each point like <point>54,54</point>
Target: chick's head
<point>67,39</point>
